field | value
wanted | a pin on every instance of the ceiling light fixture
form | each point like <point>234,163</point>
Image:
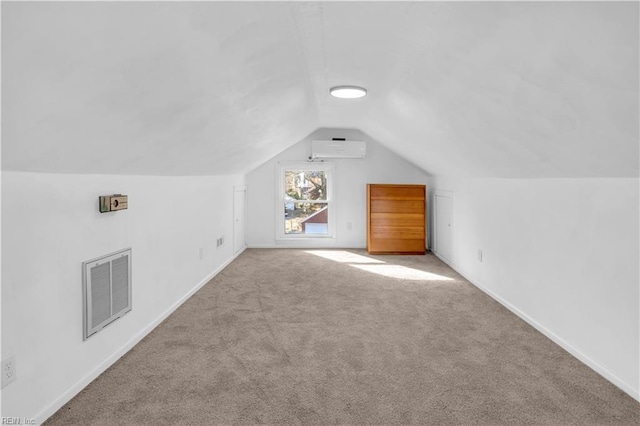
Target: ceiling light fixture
<point>347,92</point>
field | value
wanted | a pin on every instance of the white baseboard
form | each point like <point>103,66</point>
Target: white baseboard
<point>59,402</point>
<point>598,368</point>
<point>299,245</point>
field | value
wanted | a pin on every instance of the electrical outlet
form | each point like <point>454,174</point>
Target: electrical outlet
<point>479,255</point>
<point>349,226</point>
<point>8,370</point>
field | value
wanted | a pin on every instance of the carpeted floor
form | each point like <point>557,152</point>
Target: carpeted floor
<point>331,337</point>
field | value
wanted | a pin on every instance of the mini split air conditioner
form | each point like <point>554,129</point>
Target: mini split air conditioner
<point>337,149</point>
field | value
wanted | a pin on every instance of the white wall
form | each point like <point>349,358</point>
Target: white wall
<point>564,255</point>
<point>351,177</point>
<point>51,223</point>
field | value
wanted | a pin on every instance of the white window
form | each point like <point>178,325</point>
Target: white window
<point>304,205</point>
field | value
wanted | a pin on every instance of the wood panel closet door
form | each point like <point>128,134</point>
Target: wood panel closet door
<point>396,219</point>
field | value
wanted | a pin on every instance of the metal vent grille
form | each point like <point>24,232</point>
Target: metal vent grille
<point>106,285</point>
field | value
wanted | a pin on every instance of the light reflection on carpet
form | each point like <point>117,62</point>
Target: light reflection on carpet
<point>376,266</point>
<point>343,256</point>
<point>402,272</point>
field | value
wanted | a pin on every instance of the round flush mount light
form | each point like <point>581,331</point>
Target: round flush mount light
<point>347,92</point>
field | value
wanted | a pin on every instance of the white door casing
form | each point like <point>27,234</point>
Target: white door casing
<point>239,215</point>
<point>443,235</point>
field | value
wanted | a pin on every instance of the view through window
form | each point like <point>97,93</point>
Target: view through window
<point>306,202</point>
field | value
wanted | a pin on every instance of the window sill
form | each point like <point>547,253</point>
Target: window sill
<point>304,238</point>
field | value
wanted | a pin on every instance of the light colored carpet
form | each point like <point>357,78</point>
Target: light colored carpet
<point>292,337</point>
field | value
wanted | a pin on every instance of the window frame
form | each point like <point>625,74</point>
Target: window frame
<point>281,168</point>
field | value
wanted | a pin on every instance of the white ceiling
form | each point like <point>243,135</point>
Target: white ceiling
<point>471,89</point>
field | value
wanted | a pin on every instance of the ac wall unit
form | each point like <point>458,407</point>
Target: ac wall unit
<point>338,149</point>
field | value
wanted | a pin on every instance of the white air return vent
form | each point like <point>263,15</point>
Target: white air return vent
<point>338,149</point>
<point>106,288</point>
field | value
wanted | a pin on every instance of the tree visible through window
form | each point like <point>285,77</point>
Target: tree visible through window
<point>306,202</point>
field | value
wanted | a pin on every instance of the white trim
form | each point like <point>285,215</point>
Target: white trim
<point>585,359</point>
<point>60,401</point>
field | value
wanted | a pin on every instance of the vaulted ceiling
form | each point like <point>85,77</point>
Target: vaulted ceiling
<point>498,89</point>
